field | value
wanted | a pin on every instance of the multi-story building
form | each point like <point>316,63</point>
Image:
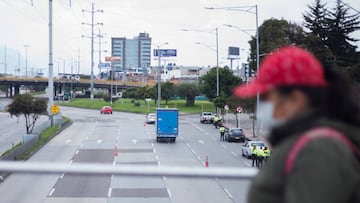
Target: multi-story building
<point>134,53</point>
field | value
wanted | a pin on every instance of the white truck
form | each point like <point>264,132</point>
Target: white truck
<point>206,117</point>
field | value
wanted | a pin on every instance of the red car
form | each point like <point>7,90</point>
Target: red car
<point>106,110</point>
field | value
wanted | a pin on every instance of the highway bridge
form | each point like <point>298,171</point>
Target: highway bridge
<point>13,84</point>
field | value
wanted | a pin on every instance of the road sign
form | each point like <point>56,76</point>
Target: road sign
<point>55,109</point>
<point>226,107</point>
<point>112,58</point>
<point>239,109</point>
<point>165,52</point>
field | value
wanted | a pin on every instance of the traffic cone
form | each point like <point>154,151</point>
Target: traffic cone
<point>116,151</point>
<point>207,162</point>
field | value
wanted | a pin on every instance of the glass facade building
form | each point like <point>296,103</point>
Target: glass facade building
<point>134,53</point>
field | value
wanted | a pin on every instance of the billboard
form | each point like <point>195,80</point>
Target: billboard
<point>104,65</point>
<point>112,58</point>
<point>165,52</point>
<point>234,52</point>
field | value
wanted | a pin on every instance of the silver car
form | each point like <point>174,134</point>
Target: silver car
<point>151,118</point>
<point>246,148</point>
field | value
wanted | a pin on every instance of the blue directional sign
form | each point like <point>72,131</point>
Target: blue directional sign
<point>165,52</point>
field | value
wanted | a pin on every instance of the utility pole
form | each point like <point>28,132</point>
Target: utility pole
<point>100,36</point>
<point>5,61</point>
<point>19,63</point>
<point>78,62</point>
<point>92,46</point>
<point>26,63</point>
<point>51,74</point>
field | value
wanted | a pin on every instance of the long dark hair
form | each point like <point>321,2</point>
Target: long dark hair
<point>339,101</point>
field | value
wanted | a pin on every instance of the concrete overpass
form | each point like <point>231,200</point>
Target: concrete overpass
<point>13,84</point>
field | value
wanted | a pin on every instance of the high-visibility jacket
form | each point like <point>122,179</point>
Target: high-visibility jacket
<point>267,152</point>
<point>222,129</point>
<point>256,151</point>
<point>261,153</point>
<point>216,118</point>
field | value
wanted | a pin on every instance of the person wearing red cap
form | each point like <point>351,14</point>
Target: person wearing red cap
<point>314,122</point>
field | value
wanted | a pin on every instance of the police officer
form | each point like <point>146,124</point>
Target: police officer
<point>253,155</point>
<point>261,156</point>
<point>216,120</point>
<point>267,153</point>
<point>222,132</point>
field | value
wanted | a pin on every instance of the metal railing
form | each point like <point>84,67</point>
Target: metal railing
<point>127,170</point>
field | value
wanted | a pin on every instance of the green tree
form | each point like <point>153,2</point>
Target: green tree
<point>248,105</point>
<point>167,91</point>
<point>30,107</point>
<point>273,34</point>
<point>315,20</point>
<point>227,82</point>
<point>341,25</point>
<point>188,91</point>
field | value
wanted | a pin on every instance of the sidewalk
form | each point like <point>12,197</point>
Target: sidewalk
<point>245,123</point>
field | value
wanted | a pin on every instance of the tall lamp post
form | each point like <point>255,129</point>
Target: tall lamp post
<point>159,74</point>
<point>248,9</point>
<point>217,56</point>
<point>26,61</point>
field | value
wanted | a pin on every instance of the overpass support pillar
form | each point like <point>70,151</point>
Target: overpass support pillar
<point>17,90</point>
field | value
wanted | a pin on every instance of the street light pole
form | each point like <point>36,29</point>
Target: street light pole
<point>159,74</point>
<point>51,73</point>
<point>248,10</point>
<point>217,63</point>
<point>159,77</point>
<point>26,63</point>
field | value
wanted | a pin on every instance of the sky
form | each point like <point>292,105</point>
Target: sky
<point>26,23</point>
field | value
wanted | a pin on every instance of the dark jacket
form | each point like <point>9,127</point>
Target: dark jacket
<point>325,170</point>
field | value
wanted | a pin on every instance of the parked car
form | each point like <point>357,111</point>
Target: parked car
<point>151,118</point>
<point>106,110</point>
<point>246,148</point>
<point>206,117</point>
<point>235,134</point>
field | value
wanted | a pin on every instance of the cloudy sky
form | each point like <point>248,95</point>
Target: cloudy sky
<point>26,24</point>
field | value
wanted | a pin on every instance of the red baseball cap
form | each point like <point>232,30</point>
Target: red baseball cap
<point>287,66</point>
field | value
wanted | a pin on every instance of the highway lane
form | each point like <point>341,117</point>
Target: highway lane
<point>93,137</point>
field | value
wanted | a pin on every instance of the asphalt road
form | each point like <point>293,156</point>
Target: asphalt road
<point>92,138</point>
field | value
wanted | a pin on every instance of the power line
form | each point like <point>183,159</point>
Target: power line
<point>92,24</point>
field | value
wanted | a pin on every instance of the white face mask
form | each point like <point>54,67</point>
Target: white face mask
<point>265,112</point>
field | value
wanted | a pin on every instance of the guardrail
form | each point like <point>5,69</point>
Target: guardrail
<point>127,170</point>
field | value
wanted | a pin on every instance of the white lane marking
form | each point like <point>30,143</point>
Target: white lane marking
<point>68,141</point>
<point>114,162</point>
<point>62,176</point>
<point>223,146</point>
<point>109,192</point>
<point>207,133</point>
<point>182,138</point>
<point>157,158</point>
<point>52,192</point>
<point>213,138</point>
<point>198,157</point>
<point>154,150</point>
<point>159,163</point>
<point>187,144</point>
<point>168,190</point>
<point>118,137</point>
<point>112,177</point>
<point>87,137</point>
<point>201,141</point>
<point>77,152</point>
<point>195,126</point>
<point>134,141</point>
<point>118,129</point>
<point>99,141</point>
<point>233,153</point>
<point>152,144</point>
<point>193,151</point>
<point>70,162</point>
<point>247,164</point>
<point>164,178</point>
<point>228,193</point>
<point>81,145</point>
